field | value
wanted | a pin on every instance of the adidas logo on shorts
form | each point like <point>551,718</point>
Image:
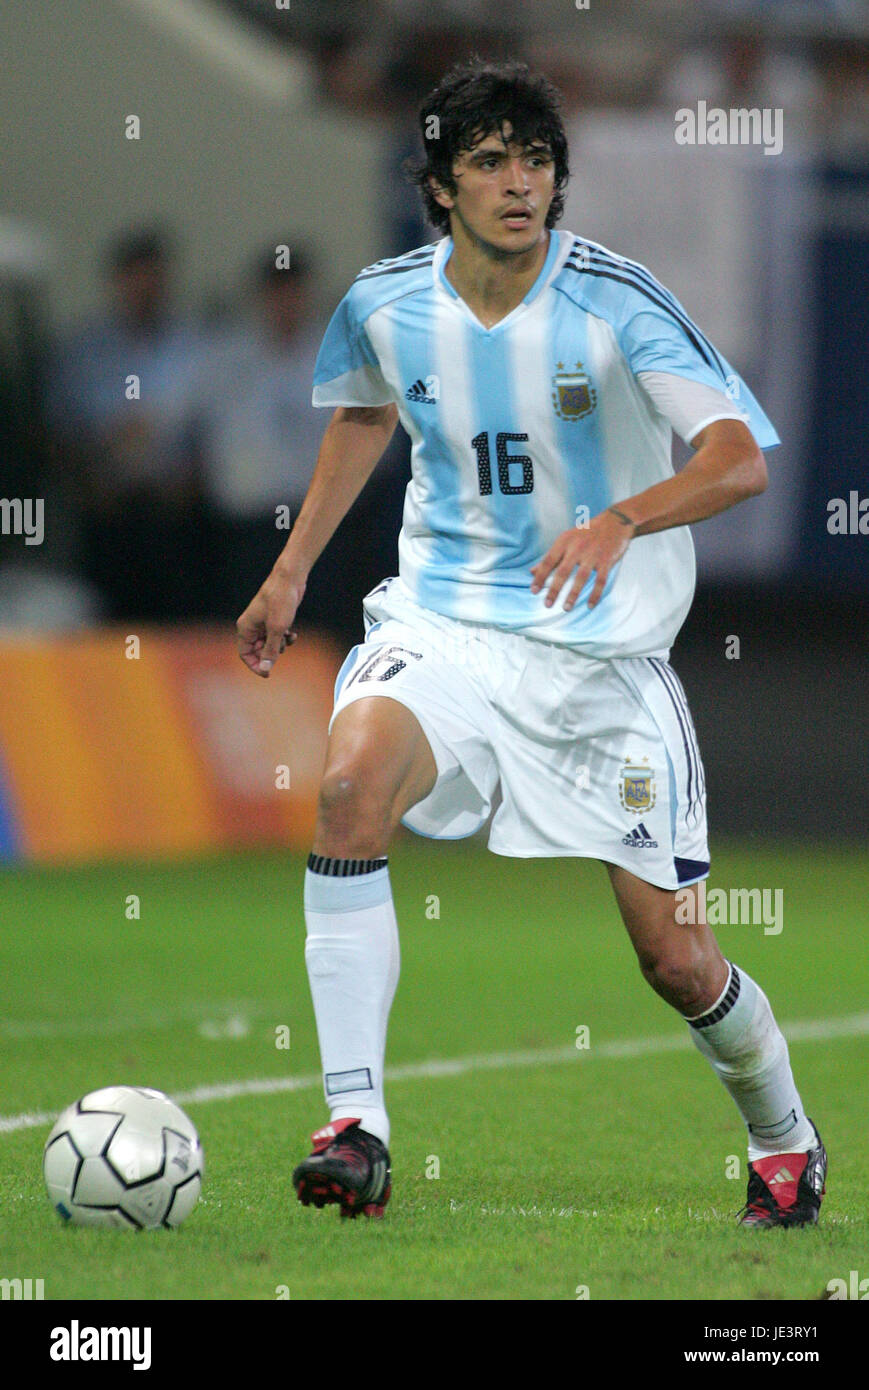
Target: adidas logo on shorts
<point>639,838</point>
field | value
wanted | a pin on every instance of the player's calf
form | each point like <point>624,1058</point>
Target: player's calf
<point>681,960</point>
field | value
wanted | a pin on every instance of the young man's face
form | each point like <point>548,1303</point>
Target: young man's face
<point>503,192</point>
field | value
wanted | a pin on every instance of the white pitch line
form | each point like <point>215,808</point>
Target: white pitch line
<point>805,1030</point>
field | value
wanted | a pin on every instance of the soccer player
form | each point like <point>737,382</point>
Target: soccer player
<point>519,658</point>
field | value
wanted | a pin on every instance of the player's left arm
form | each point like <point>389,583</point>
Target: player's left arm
<point>726,468</point>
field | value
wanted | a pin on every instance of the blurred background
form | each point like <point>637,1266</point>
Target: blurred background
<point>160,156</point>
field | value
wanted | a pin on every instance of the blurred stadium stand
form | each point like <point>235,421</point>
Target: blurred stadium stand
<point>261,123</point>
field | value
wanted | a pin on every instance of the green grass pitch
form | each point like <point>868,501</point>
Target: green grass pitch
<point>603,1168</point>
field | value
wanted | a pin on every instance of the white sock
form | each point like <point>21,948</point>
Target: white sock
<point>746,1047</point>
<point>352,957</point>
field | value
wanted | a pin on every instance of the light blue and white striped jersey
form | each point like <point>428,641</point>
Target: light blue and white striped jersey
<point>523,430</point>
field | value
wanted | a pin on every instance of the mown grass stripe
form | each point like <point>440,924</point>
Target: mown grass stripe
<point>805,1030</point>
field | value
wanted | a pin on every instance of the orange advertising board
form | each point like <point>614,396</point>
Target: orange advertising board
<point>159,743</point>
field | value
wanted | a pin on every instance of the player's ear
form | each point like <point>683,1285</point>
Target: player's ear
<point>439,193</point>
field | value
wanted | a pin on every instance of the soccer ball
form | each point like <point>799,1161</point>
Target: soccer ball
<point>124,1156</point>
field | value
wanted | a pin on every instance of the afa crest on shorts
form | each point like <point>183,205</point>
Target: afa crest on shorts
<point>573,394</point>
<point>637,786</point>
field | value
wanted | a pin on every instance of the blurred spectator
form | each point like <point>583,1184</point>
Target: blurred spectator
<point>744,68</point>
<point>257,438</point>
<point>37,598</point>
<point>118,392</point>
<point>256,433</point>
<point>843,107</point>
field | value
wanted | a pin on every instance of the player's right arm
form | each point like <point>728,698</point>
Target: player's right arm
<point>353,444</point>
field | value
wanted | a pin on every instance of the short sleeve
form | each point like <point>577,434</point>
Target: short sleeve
<point>347,371</point>
<point>690,405</point>
<point>659,339</point>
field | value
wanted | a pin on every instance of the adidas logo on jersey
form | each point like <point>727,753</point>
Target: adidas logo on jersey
<point>639,838</point>
<point>423,392</point>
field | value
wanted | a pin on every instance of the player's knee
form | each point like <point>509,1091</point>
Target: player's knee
<point>354,812</point>
<point>678,975</point>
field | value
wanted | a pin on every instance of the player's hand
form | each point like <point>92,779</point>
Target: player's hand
<point>596,548</point>
<point>264,629</point>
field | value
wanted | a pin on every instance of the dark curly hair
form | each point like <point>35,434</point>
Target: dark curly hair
<point>473,100</point>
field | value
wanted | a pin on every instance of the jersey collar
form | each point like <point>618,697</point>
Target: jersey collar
<point>559,245</point>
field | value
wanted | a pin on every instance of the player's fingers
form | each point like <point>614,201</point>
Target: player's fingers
<point>557,554</point>
<point>277,640</point>
<point>598,588</point>
<point>250,654</point>
<point>542,571</point>
<point>249,651</point>
<point>578,585</point>
<point>559,579</point>
<point>565,550</point>
<point>248,630</point>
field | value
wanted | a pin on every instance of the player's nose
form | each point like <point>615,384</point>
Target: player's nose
<point>516,178</point>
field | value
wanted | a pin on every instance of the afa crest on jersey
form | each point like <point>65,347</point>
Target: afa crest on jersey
<point>637,786</point>
<point>573,394</point>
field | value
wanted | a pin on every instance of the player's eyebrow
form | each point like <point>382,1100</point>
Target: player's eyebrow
<point>532,147</point>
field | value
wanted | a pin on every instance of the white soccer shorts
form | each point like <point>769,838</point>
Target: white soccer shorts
<point>578,756</point>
